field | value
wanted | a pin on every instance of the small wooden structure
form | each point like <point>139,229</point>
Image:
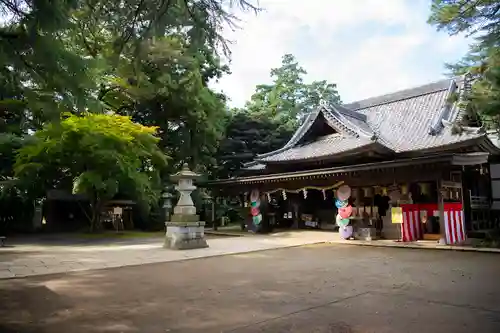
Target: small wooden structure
<point>392,150</point>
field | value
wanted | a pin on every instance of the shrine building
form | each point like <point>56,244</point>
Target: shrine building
<point>409,153</point>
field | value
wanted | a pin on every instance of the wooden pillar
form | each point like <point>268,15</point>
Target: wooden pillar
<point>466,198</point>
<point>212,211</point>
<point>294,208</point>
<point>356,192</point>
<point>442,238</point>
<point>244,210</point>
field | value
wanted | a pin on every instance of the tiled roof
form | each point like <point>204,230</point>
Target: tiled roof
<point>408,120</point>
<point>256,166</point>
<point>325,146</point>
<point>405,125</point>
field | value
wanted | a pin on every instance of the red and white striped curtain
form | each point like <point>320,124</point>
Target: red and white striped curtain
<point>454,224</point>
<point>411,228</point>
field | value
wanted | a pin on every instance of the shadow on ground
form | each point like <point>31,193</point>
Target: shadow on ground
<point>311,289</point>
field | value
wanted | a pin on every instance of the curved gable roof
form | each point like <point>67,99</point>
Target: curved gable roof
<point>408,120</point>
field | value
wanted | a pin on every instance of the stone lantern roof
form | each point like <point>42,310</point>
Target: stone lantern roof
<point>185,173</point>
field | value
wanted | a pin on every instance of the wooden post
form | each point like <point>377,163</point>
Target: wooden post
<point>245,213</point>
<point>442,239</point>
<point>214,222</point>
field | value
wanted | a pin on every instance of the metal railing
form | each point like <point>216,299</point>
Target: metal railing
<point>481,216</point>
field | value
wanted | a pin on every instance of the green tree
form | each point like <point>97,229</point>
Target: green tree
<point>56,48</point>
<point>480,19</point>
<point>271,116</point>
<point>288,98</point>
<point>245,137</point>
<point>96,155</point>
<point>168,88</point>
<point>164,83</point>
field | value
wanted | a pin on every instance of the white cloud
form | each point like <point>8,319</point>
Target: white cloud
<point>367,47</point>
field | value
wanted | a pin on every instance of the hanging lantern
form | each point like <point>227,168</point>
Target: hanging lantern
<point>345,212</point>
<point>268,197</point>
<point>355,193</point>
<point>410,198</point>
<point>424,188</point>
<point>254,195</point>
<point>404,189</point>
<point>395,195</point>
<point>324,194</point>
<point>254,211</point>
<point>343,192</point>
<point>384,191</point>
<point>447,194</point>
<point>340,203</point>
<point>304,192</point>
<point>341,222</point>
<point>283,193</point>
<point>346,232</point>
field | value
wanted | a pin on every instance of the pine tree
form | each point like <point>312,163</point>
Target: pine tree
<point>480,19</point>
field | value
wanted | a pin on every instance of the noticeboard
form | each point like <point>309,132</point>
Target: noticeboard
<point>397,215</point>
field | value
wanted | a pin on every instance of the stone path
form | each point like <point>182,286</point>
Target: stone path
<point>28,259</point>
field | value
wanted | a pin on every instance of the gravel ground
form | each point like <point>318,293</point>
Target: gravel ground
<point>324,288</point>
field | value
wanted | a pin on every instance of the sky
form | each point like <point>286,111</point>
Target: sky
<point>367,47</point>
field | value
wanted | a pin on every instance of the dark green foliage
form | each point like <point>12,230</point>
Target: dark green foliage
<point>246,136</point>
<point>59,51</point>
<point>151,60</point>
<point>16,209</point>
<point>170,90</point>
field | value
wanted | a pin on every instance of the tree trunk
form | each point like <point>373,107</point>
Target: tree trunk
<point>95,221</point>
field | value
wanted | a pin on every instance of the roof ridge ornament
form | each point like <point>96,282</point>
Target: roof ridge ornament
<point>446,109</point>
<point>456,127</point>
<point>355,129</point>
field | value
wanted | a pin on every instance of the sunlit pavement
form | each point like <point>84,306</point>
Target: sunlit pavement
<point>27,259</point>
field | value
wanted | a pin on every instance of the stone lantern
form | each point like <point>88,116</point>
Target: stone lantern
<point>185,230</point>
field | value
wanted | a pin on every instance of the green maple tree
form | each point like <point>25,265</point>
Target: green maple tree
<point>96,155</point>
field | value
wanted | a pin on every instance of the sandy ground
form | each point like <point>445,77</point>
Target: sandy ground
<point>322,288</point>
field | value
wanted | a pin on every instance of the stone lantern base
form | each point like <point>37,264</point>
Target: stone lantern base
<point>185,232</point>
